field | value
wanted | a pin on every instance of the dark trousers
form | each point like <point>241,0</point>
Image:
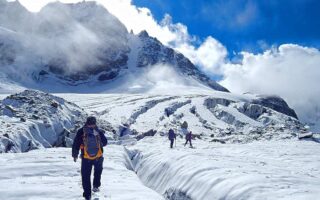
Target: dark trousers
<point>171,143</point>
<point>86,168</point>
<point>188,140</point>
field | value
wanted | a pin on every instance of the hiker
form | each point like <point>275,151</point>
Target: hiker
<point>188,138</point>
<point>91,140</point>
<point>184,128</point>
<point>124,129</point>
<point>172,137</point>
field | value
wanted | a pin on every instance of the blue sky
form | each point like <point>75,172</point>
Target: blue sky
<point>247,25</point>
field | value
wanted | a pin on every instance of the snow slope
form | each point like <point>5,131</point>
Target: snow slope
<point>277,166</point>
<point>273,170</point>
<point>51,174</point>
<point>259,170</point>
<point>30,119</point>
<point>218,116</point>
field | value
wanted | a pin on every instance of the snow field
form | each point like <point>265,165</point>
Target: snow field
<point>269,170</point>
<point>213,116</point>
<point>151,170</point>
<point>52,174</point>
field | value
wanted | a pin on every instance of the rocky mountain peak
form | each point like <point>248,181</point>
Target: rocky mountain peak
<point>143,34</point>
<point>84,44</point>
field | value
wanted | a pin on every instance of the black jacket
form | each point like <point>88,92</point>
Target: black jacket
<point>78,141</point>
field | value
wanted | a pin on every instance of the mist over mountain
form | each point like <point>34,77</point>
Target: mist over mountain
<point>83,44</point>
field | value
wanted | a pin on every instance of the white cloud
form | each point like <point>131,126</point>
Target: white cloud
<point>209,55</point>
<point>290,71</point>
<point>138,19</point>
<point>65,41</point>
<point>36,5</point>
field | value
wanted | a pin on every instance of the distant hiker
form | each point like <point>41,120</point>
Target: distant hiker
<point>186,133</point>
<point>172,137</point>
<point>184,125</point>
<point>188,139</point>
<point>91,140</point>
<point>184,128</point>
<point>124,129</point>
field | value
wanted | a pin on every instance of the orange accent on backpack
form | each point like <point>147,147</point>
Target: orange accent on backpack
<point>85,148</point>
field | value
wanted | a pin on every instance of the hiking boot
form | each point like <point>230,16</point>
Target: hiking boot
<point>95,189</point>
<point>86,197</point>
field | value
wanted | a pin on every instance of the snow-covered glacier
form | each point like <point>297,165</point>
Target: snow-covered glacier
<point>258,170</point>
<point>243,150</point>
<point>214,116</point>
<point>150,170</point>
<point>58,69</point>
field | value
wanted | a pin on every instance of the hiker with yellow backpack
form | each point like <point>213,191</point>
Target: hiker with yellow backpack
<point>91,140</point>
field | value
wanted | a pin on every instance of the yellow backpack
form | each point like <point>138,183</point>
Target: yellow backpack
<point>91,145</point>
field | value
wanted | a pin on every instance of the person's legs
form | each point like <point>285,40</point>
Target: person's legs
<point>98,167</point>
<point>190,143</point>
<point>186,142</point>
<point>171,143</point>
<point>86,168</point>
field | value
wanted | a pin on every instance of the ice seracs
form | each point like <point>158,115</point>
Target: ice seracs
<point>33,119</point>
<point>217,116</point>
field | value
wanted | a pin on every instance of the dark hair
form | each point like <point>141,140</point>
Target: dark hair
<point>91,121</point>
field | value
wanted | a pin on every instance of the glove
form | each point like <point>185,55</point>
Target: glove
<point>75,159</point>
